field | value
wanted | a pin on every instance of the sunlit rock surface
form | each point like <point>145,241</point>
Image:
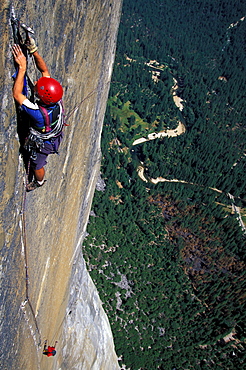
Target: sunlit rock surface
<point>77,40</point>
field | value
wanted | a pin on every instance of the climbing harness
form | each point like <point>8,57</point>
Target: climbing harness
<point>32,145</point>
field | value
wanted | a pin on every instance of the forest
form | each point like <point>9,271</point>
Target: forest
<point>168,257</point>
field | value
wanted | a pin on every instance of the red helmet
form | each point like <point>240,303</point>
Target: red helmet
<point>48,90</point>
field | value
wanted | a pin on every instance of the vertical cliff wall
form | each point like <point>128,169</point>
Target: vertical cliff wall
<point>77,40</point>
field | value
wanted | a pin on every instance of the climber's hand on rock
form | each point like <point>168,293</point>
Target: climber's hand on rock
<point>19,57</point>
<point>31,45</point>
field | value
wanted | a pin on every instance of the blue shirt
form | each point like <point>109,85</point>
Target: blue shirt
<point>35,114</point>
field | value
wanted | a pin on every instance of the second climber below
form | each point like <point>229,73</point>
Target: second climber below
<point>45,115</point>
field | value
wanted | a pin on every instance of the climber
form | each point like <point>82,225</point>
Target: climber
<point>46,115</point>
<point>49,351</point>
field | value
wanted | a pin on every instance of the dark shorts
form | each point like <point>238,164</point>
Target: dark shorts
<point>49,148</point>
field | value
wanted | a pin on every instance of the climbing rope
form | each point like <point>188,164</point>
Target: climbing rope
<point>64,318</point>
<point>82,101</point>
<point>24,239</point>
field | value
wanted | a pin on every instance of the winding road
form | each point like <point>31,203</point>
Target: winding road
<point>179,130</point>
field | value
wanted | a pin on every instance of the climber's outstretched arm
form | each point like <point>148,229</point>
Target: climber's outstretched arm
<point>41,65</point>
<point>20,59</point>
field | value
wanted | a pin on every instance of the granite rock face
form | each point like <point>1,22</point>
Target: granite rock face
<point>43,230</point>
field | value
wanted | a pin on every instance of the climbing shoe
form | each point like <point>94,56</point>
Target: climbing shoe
<point>33,185</point>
